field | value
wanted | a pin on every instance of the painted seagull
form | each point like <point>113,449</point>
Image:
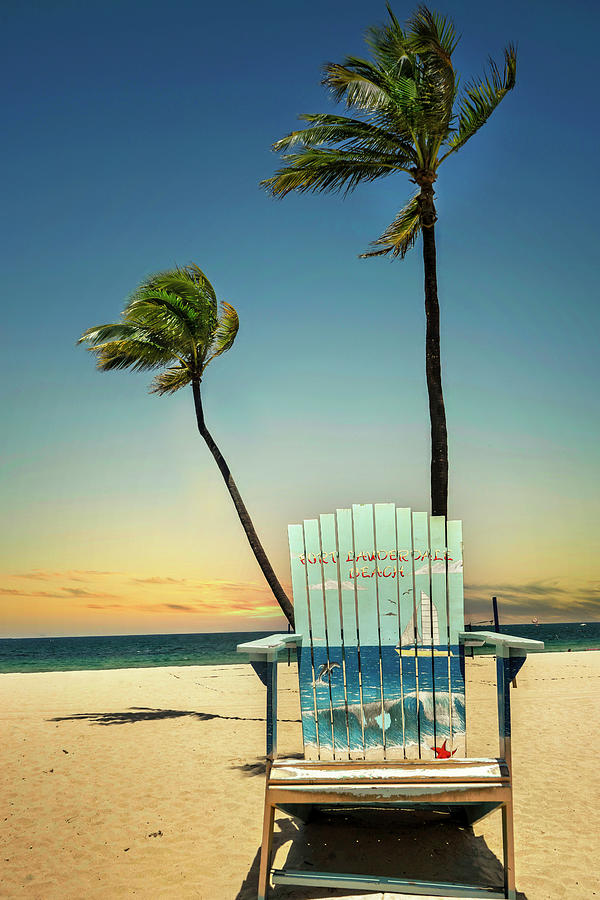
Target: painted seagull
<point>325,671</point>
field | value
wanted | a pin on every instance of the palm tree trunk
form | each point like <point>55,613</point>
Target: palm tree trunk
<point>433,367</point>
<point>244,516</point>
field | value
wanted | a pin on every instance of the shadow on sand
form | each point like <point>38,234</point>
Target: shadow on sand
<point>381,842</point>
<point>147,714</point>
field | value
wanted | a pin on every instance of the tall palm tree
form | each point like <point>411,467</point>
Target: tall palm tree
<point>409,117</point>
<point>172,323</point>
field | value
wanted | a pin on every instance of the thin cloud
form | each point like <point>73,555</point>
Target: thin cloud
<point>69,575</point>
<point>158,579</point>
<point>544,598</point>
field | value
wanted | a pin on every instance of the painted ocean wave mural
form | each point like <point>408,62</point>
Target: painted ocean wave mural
<point>346,705</point>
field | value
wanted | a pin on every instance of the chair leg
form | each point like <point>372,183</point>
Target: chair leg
<point>508,841</point>
<point>265,850</point>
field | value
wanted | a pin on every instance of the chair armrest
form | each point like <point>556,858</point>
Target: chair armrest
<point>267,649</point>
<point>263,656</point>
<point>510,652</point>
<point>498,641</point>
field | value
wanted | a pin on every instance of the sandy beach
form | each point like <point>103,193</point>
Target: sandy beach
<point>149,783</point>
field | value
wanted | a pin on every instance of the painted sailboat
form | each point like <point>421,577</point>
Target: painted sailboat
<point>430,632</point>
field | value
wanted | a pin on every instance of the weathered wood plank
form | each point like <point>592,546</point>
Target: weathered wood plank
<point>355,794</point>
<point>425,691</point>
<point>365,573</point>
<point>391,763</point>
<point>316,605</point>
<point>388,599</point>
<point>456,618</point>
<point>427,890</point>
<point>439,611</point>
<point>356,742</point>
<point>335,673</point>
<point>305,667</point>
<point>495,639</point>
<point>407,643</point>
<point>439,771</point>
<point>268,647</point>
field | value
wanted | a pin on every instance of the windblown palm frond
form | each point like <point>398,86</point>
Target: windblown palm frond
<point>318,169</point>
<point>403,100</point>
<point>171,380</point>
<point>481,99</point>
<point>225,333</point>
<point>400,236</point>
<point>171,320</point>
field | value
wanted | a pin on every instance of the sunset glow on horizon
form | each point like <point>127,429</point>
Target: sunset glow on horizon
<point>116,519</point>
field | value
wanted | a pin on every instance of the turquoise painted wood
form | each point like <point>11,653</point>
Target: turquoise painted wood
<point>304,652</point>
<point>335,673</point>
<point>457,653</point>
<point>316,608</point>
<point>365,568</point>
<point>356,742</point>
<point>425,694</point>
<point>388,602</point>
<point>407,644</point>
<point>378,597</point>
<point>441,649</point>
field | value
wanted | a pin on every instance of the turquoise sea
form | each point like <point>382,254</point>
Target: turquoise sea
<point>62,654</point>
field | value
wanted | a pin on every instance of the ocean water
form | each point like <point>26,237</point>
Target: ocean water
<point>123,651</point>
<point>61,654</point>
<point>556,636</point>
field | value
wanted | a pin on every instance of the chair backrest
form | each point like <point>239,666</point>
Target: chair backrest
<point>378,599</point>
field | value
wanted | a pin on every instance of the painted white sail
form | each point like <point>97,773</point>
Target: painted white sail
<point>429,618</point>
<point>430,627</point>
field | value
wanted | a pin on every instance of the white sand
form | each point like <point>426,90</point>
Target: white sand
<point>149,784</point>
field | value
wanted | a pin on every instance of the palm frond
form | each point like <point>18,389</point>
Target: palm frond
<point>481,99</point>
<point>189,300</point>
<point>99,334</point>
<point>170,320</point>
<point>118,340</point>
<point>195,274</point>
<point>162,310</point>
<point>400,236</point>
<point>320,169</point>
<point>171,380</point>
<point>226,332</point>
<point>358,82</point>
<point>429,32</point>
<point>354,133</point>
<point>136,353</point>
<point>388,44</point>
<point>433,39</point>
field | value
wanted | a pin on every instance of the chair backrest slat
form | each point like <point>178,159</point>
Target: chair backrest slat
<point>356,744</point>
<point>388,597</point>
<point>423,645</point>
<point>302,625</point>
<point>316,606</point>
<point>335,673</point>
<point>455,624</point>
<point>441,652</point>
<point>378,598</point>
<point>368,629</point>
<point>407,629</point>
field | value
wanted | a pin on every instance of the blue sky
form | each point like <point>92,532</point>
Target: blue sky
<point>136,135</point>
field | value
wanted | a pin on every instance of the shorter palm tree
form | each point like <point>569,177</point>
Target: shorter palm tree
<point>172,323</point>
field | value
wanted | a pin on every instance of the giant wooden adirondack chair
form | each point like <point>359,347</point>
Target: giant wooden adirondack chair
<point>379,610</point>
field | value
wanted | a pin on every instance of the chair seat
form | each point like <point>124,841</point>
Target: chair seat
<point>388,772</point>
